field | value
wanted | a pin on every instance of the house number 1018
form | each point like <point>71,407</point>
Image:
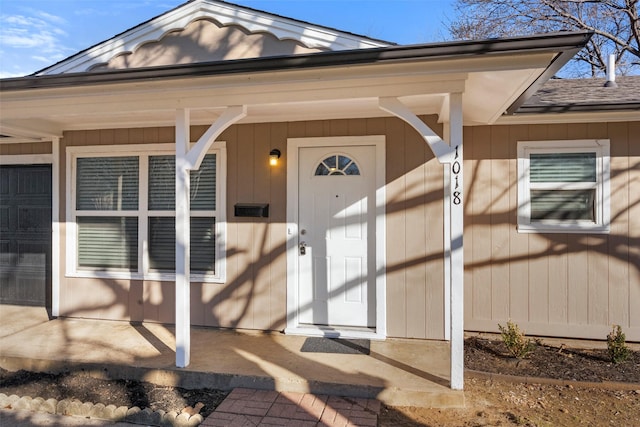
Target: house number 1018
<point>455,169</point>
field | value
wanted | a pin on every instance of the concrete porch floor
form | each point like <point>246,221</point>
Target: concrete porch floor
<point>396,372</point>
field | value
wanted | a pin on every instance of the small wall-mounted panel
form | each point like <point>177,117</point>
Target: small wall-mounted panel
<point>252,210</point>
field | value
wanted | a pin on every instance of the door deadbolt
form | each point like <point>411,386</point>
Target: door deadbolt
<point>303,248</point>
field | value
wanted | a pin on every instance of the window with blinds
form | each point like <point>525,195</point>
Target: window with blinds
<point>107,188</point>
<point>107,183</point>
<point>162,229</point>
<point>162,187</point>
<point>108,242</point>
<point>162,244</point>
<point>126,224</point>
<point>563,186</point>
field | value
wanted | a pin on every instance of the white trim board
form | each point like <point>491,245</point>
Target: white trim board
<point>26,159</point>
<point>293,326</point>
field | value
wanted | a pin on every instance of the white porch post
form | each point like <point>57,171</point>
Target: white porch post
<point>183,291</point>
<point>446,211</point>
<point>188,159</point>
<point>55,226</point>
<point>451,156</point>
<point>456,224</point>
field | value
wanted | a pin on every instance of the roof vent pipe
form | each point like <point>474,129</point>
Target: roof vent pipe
<point>611,72</point>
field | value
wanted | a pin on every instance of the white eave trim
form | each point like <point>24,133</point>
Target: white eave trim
<point>178,19</point>
<point>30,131</point>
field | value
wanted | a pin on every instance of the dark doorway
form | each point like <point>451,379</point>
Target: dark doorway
<point>25,235</point>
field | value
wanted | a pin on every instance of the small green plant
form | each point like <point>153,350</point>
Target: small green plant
<point>514,339</point>
<point>618,350</point>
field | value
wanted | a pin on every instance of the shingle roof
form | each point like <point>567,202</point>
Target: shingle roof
<point>563,95</point>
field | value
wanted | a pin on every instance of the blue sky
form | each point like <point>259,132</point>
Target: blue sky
<point>38,33</point>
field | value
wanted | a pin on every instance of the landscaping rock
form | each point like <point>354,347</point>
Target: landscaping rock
<point>35,403</point>
<point>84,409</point>
<point>155,417</point>
<point>182,420</point>
<point>195,420</point>
<point>133,414</point>
<point>169,418</point>
<point>120,413</point>
<point>23,403</point>
<point>97,411</point>
<point>63,407</point>
<point>75,407</point>
<point>49,406</point>
<point>7,401</point>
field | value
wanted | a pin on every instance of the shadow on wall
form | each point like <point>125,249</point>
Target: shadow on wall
<point>204,40</point>
<point>261,245</point>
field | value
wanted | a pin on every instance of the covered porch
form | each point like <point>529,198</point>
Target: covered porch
<point>458,84</point>
<point>398,372</point>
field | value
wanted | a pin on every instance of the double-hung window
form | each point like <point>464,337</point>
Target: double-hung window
<point>162,220</point>
<point>107,203</point>
<point>122,213</point>
<point>563,186</point>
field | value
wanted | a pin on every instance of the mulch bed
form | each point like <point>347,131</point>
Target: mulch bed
<point>548,361</point>
<point>77,385</point>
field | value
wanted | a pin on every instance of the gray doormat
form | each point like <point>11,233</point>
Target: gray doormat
<point>336,345</point>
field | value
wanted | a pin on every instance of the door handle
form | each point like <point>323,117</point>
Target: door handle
<point>303,248</point>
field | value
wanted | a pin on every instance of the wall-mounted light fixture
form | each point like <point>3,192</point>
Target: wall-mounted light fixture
<point>274,155</point>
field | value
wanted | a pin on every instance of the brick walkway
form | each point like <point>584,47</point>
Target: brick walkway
<point>249,407</point>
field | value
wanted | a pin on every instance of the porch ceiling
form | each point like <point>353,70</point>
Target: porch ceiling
<point>487,95</point>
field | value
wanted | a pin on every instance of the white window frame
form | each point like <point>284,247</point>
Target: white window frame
<point>143,152</point>
<point>600,147</point>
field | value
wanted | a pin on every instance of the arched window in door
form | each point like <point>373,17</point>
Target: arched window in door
<point>337,164</point>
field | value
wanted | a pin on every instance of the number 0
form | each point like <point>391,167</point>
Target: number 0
<point>455,168</point>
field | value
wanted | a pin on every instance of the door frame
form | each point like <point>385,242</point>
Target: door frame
<point>293,325</point>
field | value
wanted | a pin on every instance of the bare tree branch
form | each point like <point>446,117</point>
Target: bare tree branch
<point>615,25</point>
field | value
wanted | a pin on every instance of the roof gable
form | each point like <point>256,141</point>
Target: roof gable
<point>204,40</point>
<point>253,33</point>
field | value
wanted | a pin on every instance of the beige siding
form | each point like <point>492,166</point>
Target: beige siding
<point>254,295</point>
<point>550,284</point>
<point>633,215</point>
<point>25,149</point>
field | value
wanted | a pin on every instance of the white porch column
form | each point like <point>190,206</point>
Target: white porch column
<point>188,159</point>
<point>55,226</point>
<point>183,228</point>
<point>451,156</point>
<point>456,224</point>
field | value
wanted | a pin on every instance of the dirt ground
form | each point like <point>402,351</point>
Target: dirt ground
<point>488,403</point>
<point>498,403</point>
<point>501,403</point>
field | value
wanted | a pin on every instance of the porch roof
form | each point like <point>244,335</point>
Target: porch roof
<point>554,42</point>
<point>495,76</point>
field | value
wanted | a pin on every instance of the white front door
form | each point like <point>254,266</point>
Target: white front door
<point>337,236</point>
